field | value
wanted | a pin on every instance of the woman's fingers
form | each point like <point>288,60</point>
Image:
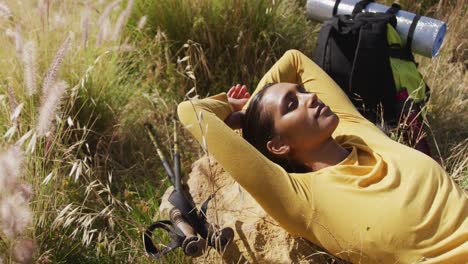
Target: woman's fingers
<point>238,91</point>
<point>231,91</point>
<point>241,92</point>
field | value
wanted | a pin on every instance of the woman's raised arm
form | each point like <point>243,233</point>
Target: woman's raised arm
<point>275,190</point>
<point>295,67</point>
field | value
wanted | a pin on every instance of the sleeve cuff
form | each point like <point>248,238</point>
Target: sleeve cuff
<point>219,105</point>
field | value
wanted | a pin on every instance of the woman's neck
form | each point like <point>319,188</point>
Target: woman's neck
<point>328,154</point>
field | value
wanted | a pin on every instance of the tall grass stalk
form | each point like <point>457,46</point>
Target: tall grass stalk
<point>142,22</point>
<point>50,104</point>
<point>5,11</point>
<point>104,22</point>
<point>11,163</point>
<point>11,98</point>
<point>16,36</point>
<point>30,68</point>
<point>15,214</point>
<point>85,24</point>
<point>50,78</point>
<point>123,17</point>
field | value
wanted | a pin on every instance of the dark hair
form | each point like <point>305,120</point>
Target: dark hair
<point>258,128</point>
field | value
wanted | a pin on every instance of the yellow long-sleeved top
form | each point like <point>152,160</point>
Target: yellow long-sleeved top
<point>385,203</point>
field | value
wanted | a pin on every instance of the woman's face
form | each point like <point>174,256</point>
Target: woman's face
<point>301,120</point>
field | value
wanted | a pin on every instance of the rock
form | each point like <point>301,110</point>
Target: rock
<point>258,238</point>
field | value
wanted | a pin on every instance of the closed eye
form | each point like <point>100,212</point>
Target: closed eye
<point>292,104</point>
<point>293,101</point>
<point>290,101</point>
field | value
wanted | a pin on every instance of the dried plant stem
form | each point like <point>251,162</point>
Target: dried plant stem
<point>10,162</point>
<point>12,98</point>
<point>104,22</point>
<point>85,24</point>
<point>16,36</point>
<point>5,11</point>
<point>50,104</point>
<point>142,22</point>
<point>51,75</point>
<point>15,215</point>
<point>29,60</point>
<point>107,10</point>
<point>104,31</point>
<point>18,40</point>
<point>122,19</point>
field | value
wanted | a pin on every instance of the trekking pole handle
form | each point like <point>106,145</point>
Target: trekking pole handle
<point>192,244</point>
<point>176,218</point>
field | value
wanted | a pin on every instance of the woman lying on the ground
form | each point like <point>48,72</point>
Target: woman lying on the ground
<point>327,174</point>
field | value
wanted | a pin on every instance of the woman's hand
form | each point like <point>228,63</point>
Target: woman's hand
<point>237,97</point>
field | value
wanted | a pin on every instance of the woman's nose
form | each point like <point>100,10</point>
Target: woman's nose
<point>311,99</point>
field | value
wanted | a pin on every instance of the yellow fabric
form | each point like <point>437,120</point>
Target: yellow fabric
<point>385,203</point>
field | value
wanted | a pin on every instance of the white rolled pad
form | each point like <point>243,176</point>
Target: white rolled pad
<point>428,34</point>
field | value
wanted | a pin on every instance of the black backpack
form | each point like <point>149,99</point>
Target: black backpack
<point>365,56</point>
<point>355,51</point>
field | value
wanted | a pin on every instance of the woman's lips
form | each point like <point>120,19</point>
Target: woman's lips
<point>324,108</point>
<point>319,109</point>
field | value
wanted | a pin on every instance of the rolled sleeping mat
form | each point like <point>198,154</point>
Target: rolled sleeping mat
<point>428,34</point>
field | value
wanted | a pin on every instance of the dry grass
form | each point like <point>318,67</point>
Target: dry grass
<point>447,76</point>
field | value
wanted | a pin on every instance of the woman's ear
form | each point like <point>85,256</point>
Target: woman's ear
<point>278,147</point>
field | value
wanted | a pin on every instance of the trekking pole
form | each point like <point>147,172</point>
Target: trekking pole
<point>177,179</point>
<point>193,245</point>
<point>188,227</point>
<point>152,135</point>
<point>182,233</point>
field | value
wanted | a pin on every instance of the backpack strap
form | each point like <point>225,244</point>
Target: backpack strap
<point>400,53</point>
<point>411,30</point>
<point>361,5</point>
<point>394,9</point>
<point>365,75</point>
<point>320,52</point>
<point>335,7</point>
<point>403,53</point>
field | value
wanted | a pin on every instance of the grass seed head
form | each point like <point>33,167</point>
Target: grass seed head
<point>122,20</point>
<point>10,169</point>
<point>12,98</point>
<point>25,191</point>
<point>50,104</point>
<point>85,24</point>
<point>49,79</point>
<point>104,22</point>
<point>23,251</point>
<point>15,215</point>
<point>142,22</point>
<point>5,11</point>
<point>29,60</point>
